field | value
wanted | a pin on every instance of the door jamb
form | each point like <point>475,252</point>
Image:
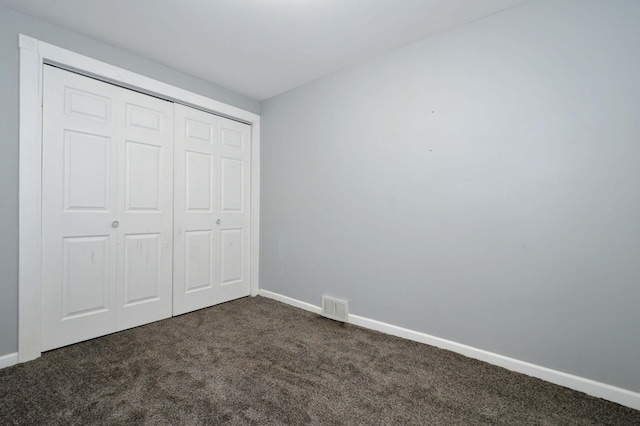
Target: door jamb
<point>34,54</point>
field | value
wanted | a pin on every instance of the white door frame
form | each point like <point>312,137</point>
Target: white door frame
<point>33,55</point>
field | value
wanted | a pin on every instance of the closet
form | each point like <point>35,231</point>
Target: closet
<point>145,208</point>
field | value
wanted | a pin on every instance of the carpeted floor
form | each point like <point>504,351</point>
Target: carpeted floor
<point>257,361</point>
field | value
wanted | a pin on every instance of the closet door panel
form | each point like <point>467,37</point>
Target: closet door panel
<point>235,177</point>
<point>107,200</point>
<point>79,202</point>
<point>196,239</point>
<point>145,206</point>
<point>211,263</point>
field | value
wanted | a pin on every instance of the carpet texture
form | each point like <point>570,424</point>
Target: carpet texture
<point>257,361</point>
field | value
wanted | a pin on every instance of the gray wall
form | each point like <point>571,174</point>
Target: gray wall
<point>482,185</point>
<point>12,23</point>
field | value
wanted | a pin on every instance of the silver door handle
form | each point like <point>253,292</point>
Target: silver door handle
<point>218,222</point>
<point>115,223</point>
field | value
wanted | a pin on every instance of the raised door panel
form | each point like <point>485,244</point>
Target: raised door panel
<point>85,276</point>
<point>232,187</point>
<point>233,138</point>
<point>87,171</point>
<point>231,256</point>
<point>142,117</point>
<point>199,132</point>
<point>87,105</point>
<point>142,177</point>
<point>198,185</point>
<point>142,261</point>
<point>198,261</point>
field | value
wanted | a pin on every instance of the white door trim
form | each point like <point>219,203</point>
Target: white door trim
<point>33,55</point>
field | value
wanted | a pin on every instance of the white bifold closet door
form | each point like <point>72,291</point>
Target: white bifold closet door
<point>211,208</point>
<point>107,200</point>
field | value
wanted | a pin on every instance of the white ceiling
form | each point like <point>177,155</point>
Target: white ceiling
<point>259,48</point>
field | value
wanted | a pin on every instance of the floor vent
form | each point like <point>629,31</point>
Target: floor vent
<point>335,308</point>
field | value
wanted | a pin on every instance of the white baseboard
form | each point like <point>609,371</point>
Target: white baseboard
<point>8,360</point>
<point>590,387</point>
<point>290,301</point>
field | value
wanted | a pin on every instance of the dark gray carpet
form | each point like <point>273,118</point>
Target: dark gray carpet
<point>257,361</point>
